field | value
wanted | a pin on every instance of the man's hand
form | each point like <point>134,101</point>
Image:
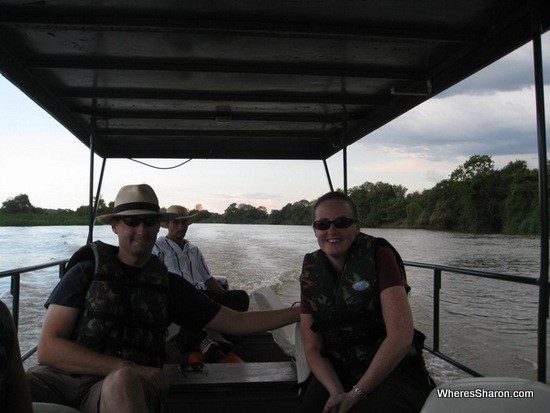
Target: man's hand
<point>155,377</point>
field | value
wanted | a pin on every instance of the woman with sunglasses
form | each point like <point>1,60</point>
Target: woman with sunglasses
<point>359,339</point>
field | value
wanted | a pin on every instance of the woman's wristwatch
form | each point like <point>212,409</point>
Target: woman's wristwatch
<point>358,393</point>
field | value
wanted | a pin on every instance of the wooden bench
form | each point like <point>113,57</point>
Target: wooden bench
<point>266,387</point>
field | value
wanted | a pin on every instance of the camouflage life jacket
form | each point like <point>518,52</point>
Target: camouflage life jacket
<point>346,310</point>
<point>124,316</point>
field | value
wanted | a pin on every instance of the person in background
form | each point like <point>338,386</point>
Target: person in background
<point>15,396</point>
<point>102,345</point>
<point>359,339</point>
<point>186,259</point>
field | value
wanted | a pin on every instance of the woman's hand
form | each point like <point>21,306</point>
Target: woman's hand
<point>340,403</point>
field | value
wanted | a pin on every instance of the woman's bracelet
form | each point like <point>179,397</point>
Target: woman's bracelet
<point>360,394</point>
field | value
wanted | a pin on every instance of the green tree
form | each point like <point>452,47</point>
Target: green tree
<point>231,214</point>
<point>244,213</point>
<point>414,209</point>
<point>443,206</point>
<point>19,203</point>
<point>477,164</point>
<point>414,212</point>
<point>477,184</point>
<point>521,205</point>
<point>379,203</point>
<point>298,213</point>
<point>102,208</point>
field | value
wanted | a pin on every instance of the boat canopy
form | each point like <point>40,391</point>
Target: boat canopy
<point>248,79</point>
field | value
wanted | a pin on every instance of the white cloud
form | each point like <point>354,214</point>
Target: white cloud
<point>499,122</point>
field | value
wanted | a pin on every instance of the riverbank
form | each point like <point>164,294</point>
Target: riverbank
<point>475,199</point>
<point>53,219</point>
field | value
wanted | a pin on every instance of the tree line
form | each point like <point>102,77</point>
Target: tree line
<point>475,198</point>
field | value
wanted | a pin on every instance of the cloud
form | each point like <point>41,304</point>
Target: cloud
<point>496,123</point>
<point>434,176</point>
<point>490,113</point>
<point>512,72</point>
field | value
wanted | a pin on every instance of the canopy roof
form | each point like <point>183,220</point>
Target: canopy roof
<point>247,79</point>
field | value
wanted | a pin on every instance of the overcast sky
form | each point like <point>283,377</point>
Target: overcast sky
<point>491,113</point>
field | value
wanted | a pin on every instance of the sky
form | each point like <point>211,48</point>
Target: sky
<point>491,113</point>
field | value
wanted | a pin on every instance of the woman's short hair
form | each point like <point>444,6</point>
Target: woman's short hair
<point>336,196</point>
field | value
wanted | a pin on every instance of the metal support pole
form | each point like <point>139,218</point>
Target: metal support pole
<point>328,175</point>
<point>98,192</point>
<point>15,293</point>
<point>436,321</point>
<point>543,202</point>
<point>345,165</point>
<point>91,185</point>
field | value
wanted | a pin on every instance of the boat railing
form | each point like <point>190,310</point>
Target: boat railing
<point>437,271</point>
<point>15,290</point>
<point>436,323</point>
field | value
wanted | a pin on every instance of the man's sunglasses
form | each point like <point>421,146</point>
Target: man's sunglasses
<point>136,221</point>
<point>340,223</point>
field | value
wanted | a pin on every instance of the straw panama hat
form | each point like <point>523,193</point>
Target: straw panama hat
<point>179,212</point>
<point>135,200</point>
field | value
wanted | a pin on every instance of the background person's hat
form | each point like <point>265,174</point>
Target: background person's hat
<point>178,212</point>
<point>135,200</point>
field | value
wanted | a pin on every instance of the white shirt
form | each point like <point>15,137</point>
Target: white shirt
<point>187,261</point>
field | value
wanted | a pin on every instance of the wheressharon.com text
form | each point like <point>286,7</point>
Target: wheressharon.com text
<point>485,394</point>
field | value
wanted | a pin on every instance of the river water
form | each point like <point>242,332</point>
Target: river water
<point>489,325</point>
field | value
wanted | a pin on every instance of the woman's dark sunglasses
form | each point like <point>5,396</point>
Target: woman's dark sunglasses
<point>136,221</point>
<point>340,223</point>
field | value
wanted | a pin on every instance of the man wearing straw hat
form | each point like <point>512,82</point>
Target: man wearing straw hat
<point>184,258</point>
<point>102,343</point>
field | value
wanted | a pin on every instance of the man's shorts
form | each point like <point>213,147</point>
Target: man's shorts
<point>49,385</point>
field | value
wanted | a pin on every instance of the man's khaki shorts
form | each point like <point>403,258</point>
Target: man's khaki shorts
<point>49,385</point>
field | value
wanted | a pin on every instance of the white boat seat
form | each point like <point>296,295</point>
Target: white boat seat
<point>302,368</point>
<point>461,396</point>
<point>266,299</point>
<point>39,407</point>
<point>289,338</point>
